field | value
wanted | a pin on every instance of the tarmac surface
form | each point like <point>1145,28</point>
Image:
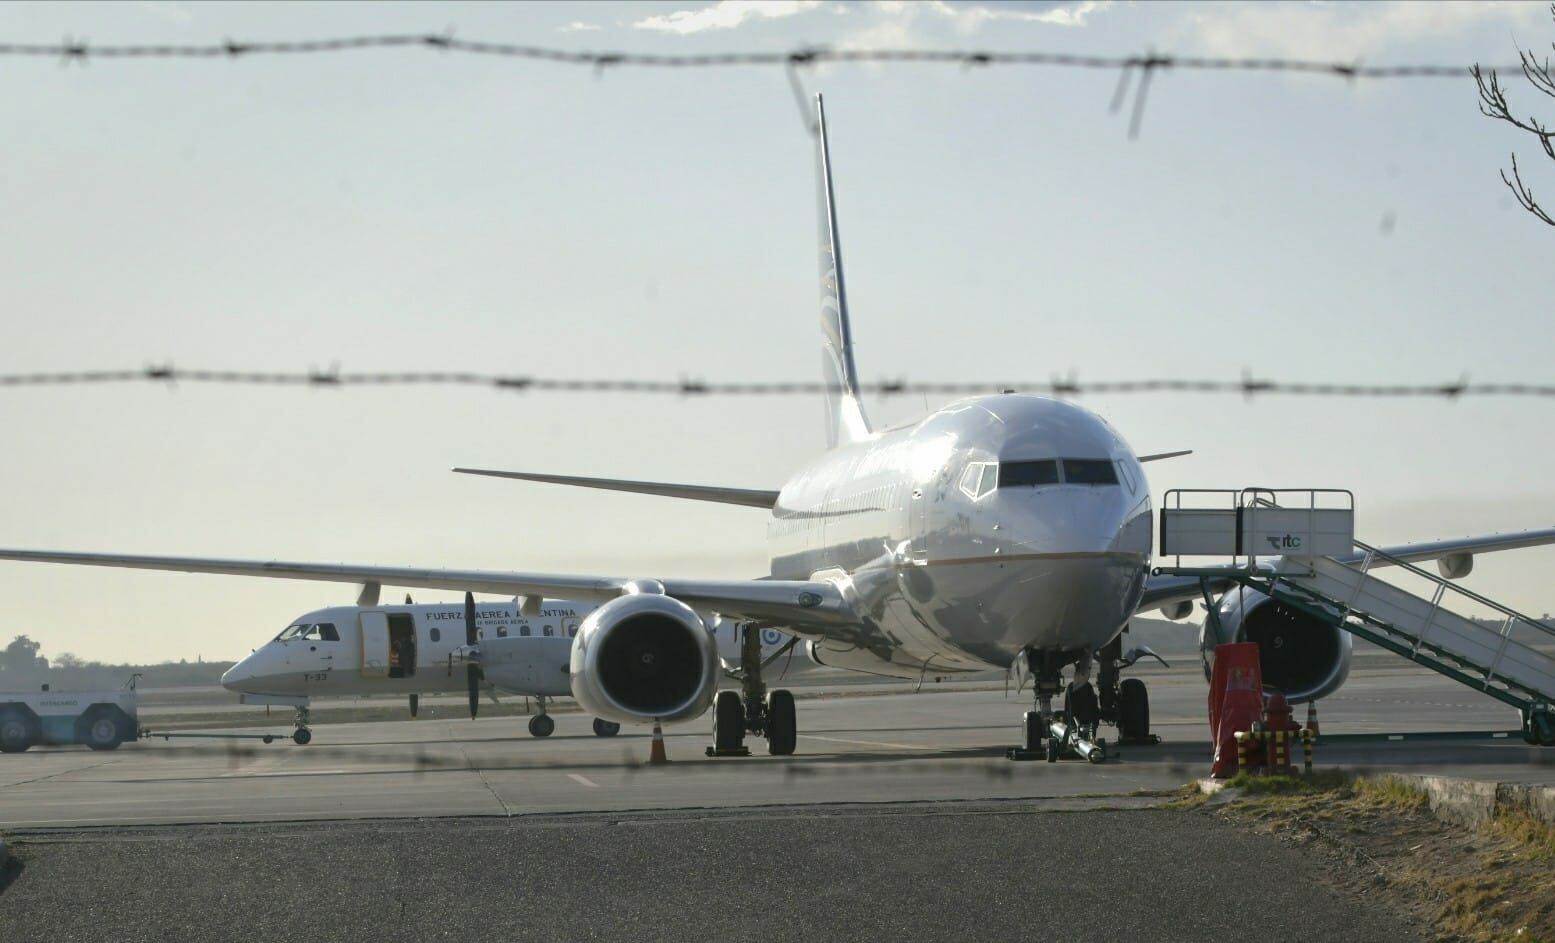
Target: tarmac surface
<point>898,815</point>
<point>913,872</point>
<point>945,743</point>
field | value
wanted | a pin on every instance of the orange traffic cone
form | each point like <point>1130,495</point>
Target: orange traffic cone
<point>1312,717</point>
<point>657,756</point>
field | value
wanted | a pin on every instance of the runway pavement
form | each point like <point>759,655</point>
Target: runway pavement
<point>943,744</point>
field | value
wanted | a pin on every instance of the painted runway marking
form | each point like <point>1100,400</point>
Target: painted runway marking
<point>862,743</point>
<point>584,780</point>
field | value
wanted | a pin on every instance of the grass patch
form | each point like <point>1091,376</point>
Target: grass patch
<point>1492,883</point>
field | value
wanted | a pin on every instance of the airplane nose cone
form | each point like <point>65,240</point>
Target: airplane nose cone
<point>239,676</point>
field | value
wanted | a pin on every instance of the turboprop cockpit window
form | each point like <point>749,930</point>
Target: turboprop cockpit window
<point>1084,471</point>
<point>291,632</point>
<point>1021,474</point>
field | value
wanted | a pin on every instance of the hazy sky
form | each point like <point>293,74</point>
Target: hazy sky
<point>407,210</point>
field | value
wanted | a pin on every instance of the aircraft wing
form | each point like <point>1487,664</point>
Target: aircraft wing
<point>797,603</point>
<point>1165,590</point>
<point>749,497</point>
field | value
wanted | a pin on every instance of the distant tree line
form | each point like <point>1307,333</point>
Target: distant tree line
<point>23,667</point>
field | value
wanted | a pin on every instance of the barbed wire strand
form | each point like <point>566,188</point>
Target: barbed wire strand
<point>1247,385</point>
<point>80,51</point>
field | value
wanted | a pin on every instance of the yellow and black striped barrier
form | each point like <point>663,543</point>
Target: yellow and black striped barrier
<point>1275,753</point>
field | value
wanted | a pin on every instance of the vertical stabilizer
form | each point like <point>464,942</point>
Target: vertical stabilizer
<point>845,420</point>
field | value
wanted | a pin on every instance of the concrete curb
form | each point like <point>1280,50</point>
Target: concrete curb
<point>1474,802</point>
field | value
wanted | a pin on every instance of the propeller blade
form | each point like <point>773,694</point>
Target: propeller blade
<point>469,618</point>
<point>473,673</point>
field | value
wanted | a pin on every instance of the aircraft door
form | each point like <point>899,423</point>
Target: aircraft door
<point>402,645</point>
<point>375,644</point>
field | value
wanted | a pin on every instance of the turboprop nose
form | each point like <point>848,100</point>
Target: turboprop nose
<point>240,677</point>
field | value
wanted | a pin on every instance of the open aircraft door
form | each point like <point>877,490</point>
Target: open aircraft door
<point>375,644</point>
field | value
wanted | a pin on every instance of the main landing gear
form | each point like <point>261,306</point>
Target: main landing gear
<point>302,736</point>
<point>753,709</point>
<point>1125,703</point>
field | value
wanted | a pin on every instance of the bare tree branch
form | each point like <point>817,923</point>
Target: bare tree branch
<point>1523,194</point>
<point>1493,104</point>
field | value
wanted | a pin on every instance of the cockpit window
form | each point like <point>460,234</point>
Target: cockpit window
<point>1085,471</point>
<point>979,479</point>
<point>313,632</point>
<point>1019,474</point>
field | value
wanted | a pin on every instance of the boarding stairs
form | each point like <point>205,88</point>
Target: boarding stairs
<point>1508,656</point>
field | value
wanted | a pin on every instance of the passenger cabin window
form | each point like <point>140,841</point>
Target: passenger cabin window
<point>1021,474</point>
<point>502,631</point>
<point>1084,471</point>
<point>435,634</point>
<point>549,630</point>
<point>523,630</point>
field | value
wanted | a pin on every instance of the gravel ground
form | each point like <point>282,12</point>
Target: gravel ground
<point>922,872</point>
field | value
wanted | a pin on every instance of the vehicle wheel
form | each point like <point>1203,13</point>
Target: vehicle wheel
<point>302,737</point>
<point>1133,710</point>
<point>782,723</point>
<point>1033,732</point>
<point>728,722</point>
<point>15,735</point>
<point>103,733</point>
<point>541,725</point>
<point>605,728</point>
<point>1081,705</point>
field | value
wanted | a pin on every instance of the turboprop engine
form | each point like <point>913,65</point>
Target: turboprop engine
<point>1304,657</point>
<point>644,657</point>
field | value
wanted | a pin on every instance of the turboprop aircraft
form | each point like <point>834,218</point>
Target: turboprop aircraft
<point>415,650</point>
<point>1007,531</point>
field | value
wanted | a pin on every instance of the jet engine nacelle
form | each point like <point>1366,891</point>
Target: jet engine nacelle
<point>642,658</point>
<point>1303,657</point>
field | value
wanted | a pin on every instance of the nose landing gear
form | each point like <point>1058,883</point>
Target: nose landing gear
<point>1125,703</point>
<point>1050,736</point>
<point>541,724</point>
<point>302,736</point>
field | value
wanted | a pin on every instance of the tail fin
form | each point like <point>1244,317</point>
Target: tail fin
<point>845,420</point>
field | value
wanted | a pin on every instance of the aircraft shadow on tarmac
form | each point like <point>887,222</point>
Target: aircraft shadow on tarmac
<point>10,872</point>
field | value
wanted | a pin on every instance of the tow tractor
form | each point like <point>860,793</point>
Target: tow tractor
<point>99,719</point>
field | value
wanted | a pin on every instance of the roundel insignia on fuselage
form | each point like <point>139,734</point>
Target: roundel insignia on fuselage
<point>771,637</point>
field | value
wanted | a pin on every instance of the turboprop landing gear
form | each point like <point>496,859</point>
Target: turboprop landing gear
<point>541,724</point>
<point>302,736</point>
<point>1049,736</point>
<point>605,728</point>
<point>753,709</point>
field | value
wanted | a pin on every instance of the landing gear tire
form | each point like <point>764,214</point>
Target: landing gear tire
<point>782,723</point>
<point>1133,711</point>
<point>1081,705</point>
<point>605,728</point>
<point>15,735</point>
<point>1034,733</point>
<point>541,725</point>
<point>728,722</point>
<point>1053,749</point>
<point>103,734</point>
<point>302,736</point>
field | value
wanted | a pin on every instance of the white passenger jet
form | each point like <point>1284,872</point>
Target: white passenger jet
<point>1006,531</point>
<point>414,650</point>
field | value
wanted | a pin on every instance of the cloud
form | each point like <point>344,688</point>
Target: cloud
<point>725,14</point>
<point>176,12</point>
<point>970,15</point>
<point>1318,30</point>
<point>578,26</point>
